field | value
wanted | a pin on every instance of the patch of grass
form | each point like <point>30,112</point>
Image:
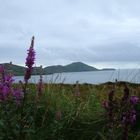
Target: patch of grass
<point>82,117</point>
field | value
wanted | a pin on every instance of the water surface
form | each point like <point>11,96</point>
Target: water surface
<point>92,77</point>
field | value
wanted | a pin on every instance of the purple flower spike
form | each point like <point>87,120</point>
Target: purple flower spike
<point>28,74</point>
<point>31,57</point>
<point>8,80</point>
<point>134,100</point>
<point>30,61</point>
<point>133,119</point>
<point>4,92</point>
<point>18,94</point>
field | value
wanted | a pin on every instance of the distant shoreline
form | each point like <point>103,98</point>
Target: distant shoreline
<point>73,67</point>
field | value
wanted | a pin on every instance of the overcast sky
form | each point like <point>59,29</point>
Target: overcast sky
<point>102,33</point>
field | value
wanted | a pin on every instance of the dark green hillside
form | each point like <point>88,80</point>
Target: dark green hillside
<point>54,69</point>
<point>19,70</point>
<point>73,67</point>
<point>79,66</point>
<point>14,69</point>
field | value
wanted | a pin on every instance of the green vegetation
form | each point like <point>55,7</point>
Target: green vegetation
<point>62,114</point>
<point>15,69</point>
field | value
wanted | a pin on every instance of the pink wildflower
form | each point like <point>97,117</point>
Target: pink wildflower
<point>18,95</point>
<point>134,100</point>
<point>30,61</point>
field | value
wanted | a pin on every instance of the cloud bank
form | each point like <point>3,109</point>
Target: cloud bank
<point>100,33</point>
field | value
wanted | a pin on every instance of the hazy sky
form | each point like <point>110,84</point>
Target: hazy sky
<point>102,33</point>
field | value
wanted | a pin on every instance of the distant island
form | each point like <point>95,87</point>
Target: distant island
<point>73,67</point>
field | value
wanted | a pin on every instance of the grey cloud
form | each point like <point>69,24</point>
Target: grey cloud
<point>71,30</point>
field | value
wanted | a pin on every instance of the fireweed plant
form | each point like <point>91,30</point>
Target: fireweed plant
<point>12,100</point>
<point>30,60</point>
<point>121,114</point>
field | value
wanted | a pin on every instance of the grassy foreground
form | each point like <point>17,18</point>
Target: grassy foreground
<point>66,112</point>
